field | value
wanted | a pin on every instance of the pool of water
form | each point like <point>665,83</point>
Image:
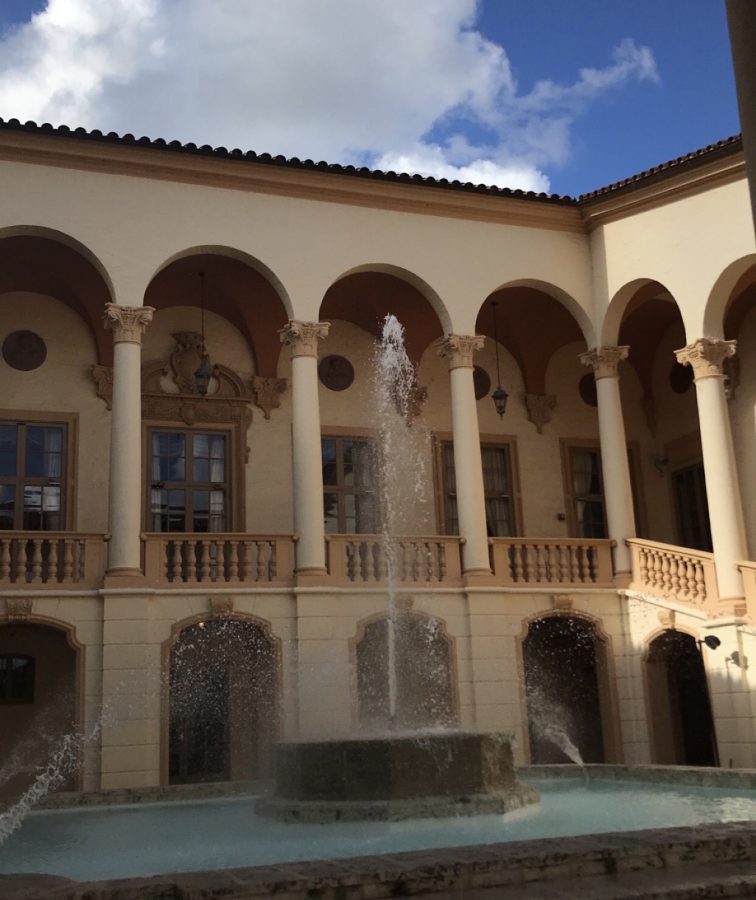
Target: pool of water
<point>92,843</point>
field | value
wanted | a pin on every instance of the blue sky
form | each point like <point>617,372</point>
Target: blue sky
<point>544,94</point>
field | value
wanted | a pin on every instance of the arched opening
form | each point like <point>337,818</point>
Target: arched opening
<point>424,655</point>
<point>38,704</point>
<point>223,701</point>
<point>567,691</point>
<point>661,417</point>
<point>682,726</point>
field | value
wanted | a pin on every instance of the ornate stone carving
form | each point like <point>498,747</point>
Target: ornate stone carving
<point>18,609</point>
<point>604,360</point>
<point>460,348</point>
<point>268,392</point>
<point>185,359</point>
<point>303,337</point>
<point>539,408</point>
<point>103,379</point>
<point>667,618</point>
<point>127,322</point>
<point>706,357</point>
<point>221,606</point>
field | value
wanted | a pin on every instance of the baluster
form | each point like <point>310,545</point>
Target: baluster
<point>690,580</point>
<point>643,566</point>
<point>233,560</point>
<point>585,567</point>
<point>517,550</point>
<point>52,561</point>
<point>5,559</point>
<point>190,560</point>
<point>540,550</point>
<point>260,566</point>
<point>36,559</point>
<point>666,580</point>
<point>369,572</point>
<point>247,572</point>
<point>272,560</point>
<point>655,571</point>
<point>442,570</point>
<point>700,583</point>
<point>167,560</point>
<point>68,562</point>
<point>675,565</point>
<point>203,545</point>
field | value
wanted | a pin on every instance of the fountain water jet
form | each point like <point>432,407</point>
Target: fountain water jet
<point>402,774</point>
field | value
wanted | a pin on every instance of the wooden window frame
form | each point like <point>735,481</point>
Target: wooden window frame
<point>70,424</point>
<point>235,468</point>
<point>340,434</point>
<point>439,438</point>
<point>636,482</point>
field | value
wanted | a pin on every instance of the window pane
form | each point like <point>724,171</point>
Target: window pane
<point>168,510</point>
<point>168,456</point>
<point>365,514</point>
<point>217,458</point>
<point>450,482</point>
<point>8,447</point>
<point>590,518</point>
<point>499,517</point>
<point>328,454</point>
<point>44,451</point>
<point>209,457</point>
<point>331,513</point>
<point>362,462</point>
<point>7,505</point>
<point>452,521</point>
<point>41,507</point>
<point>209,511</point>
<point>350,514</point>
<point>495,470</point>
<point>586,471</point>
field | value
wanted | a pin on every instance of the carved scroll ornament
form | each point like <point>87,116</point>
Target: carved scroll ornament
<point>460,348</point>
<point>303,337</point>
<point>604,360</point>
<point>539,408</point>
<point>706,357</point>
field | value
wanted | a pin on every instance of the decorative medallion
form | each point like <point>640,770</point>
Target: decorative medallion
<point>336,373</point>
<point>540,408</point>
<point>18,609</point>
<point>186,358</point>
<point>680,378</point>
<point>587,389</point>
<point>24,350</point>
<point>482,382</point>
<point>268,392</point>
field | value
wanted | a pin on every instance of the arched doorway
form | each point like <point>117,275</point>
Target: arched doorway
<point>38,703</point>
<point>681,720</point>
<point>567,691</point>
<point>424,673</point>
<point>223,706</point>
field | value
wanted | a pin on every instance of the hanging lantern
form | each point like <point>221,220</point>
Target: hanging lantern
<point>205,371</point>
<point>499,396</point>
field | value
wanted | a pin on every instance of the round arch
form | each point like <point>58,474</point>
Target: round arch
<point>624,301</point>
<point>573,307</point>
<point>415,281</point>
<point>730,282</point>
<point>427,670</point>
<point>237,255</point>
<point>221,698</point>
<point>607,738</point>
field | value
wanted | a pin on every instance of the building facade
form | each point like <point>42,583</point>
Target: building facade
<point>190,567</point>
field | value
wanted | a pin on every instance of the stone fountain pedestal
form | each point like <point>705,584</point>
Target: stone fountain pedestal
<point>395,777</point>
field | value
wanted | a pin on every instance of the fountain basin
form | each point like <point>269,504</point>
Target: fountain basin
<point>395,777</point>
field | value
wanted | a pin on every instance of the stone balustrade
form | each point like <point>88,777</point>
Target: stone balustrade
<point>674,573</point>
<point>48,559</point>
<point>551,562</point>
<point>416,560</point>
<point>228,558</point>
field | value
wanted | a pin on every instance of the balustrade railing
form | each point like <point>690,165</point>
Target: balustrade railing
<point>37,559</point>
<point>553,562</point>
<point>674,573</point>
<point>748,571</point>
<point>218,558</point>
<point>362,559</point>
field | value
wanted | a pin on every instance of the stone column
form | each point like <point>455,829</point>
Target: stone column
<point>303,339</point>
<point>706,357</point>
<point>125,507</point>
<point>618,494</point>
<point>468,466</point>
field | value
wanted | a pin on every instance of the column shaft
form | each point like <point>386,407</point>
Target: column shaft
<point>468,466</point>
<point>618,494</point>
<point>722,485</point>
<point>303,338</point>
<point>125,493</point>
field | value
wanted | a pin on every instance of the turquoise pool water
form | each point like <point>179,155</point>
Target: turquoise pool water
<point>90,843</point>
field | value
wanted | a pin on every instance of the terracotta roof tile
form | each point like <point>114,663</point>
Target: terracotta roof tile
<point>697,157</point>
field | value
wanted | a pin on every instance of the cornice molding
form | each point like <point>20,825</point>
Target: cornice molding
<point>662,189</point>
<point>247,175</point>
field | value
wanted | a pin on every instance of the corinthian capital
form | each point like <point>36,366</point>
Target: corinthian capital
<point>459,349</point>
<point>127,322</point>
<point>706,356</point>
<point>303,337</point>
<point>604,360</point>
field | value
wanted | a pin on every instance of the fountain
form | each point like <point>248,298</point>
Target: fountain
<point>399,772</point>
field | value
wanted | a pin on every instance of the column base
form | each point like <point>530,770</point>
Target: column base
<point>622,580</point>
<point>312,576</point>
<point>478,578</point>
<point>124,578</point>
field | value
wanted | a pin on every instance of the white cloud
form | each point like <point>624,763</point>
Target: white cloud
<point>333,79</point>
